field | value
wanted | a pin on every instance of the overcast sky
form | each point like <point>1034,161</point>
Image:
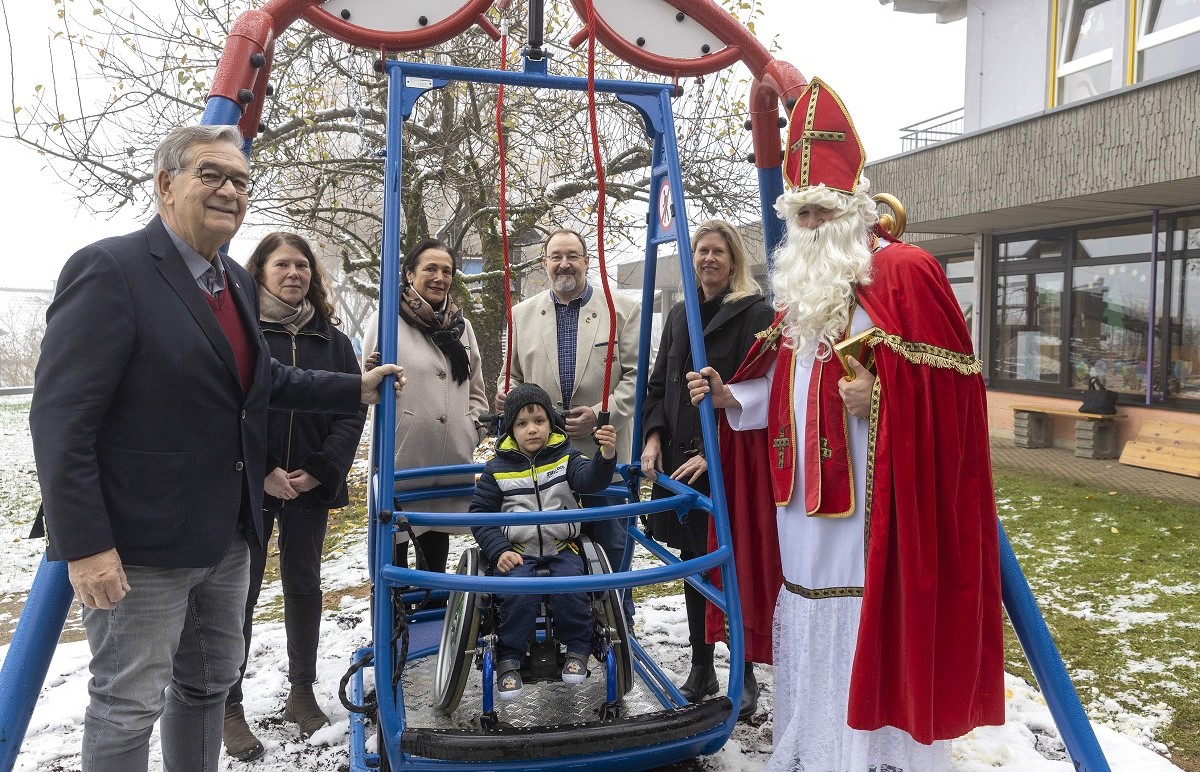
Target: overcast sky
<point>891,69</point>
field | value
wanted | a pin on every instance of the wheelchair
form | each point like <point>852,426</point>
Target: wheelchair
<point>468,637</point>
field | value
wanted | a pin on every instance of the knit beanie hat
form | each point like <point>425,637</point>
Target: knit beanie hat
<point>529,394</point>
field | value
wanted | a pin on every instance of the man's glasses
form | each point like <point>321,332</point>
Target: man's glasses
<point>570,257</point>
<point>214,179</point>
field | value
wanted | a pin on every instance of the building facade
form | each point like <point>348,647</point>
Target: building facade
<point>1068,213</point>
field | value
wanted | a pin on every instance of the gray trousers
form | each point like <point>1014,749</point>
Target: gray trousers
<point>171,648</point>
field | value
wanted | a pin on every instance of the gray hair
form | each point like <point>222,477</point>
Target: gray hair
<point>171,153</point>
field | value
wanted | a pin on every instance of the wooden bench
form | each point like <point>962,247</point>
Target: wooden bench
<point>1165,446</point>
<point>1095,433</point>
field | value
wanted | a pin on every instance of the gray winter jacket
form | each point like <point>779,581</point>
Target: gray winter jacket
<point>551,480</point>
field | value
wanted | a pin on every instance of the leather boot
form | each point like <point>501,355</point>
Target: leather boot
<point>702,678</point>
<point>749,694</point>
<point>301,707</point>
<point>240,742</point>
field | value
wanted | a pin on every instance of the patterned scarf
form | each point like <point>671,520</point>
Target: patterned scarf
<point>272,309</point>
<point>444,328</point>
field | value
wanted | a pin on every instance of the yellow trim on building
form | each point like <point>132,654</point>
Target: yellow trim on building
<point>1052,90</point>
<point>1131,62</point>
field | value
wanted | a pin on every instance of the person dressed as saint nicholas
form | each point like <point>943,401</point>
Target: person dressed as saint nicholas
<point>877,488</point>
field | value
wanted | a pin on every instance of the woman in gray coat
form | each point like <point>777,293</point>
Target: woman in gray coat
<point>437,416</point>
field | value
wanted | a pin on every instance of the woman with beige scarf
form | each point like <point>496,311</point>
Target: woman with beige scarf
<point>437,415</point>
<point>308,457</point>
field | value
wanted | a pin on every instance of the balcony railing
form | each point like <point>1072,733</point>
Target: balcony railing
<point>931,130</point>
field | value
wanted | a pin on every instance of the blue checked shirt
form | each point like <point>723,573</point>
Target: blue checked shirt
<point>566,317</point>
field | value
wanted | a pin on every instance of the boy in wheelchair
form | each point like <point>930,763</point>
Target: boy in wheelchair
<point>536,469</point>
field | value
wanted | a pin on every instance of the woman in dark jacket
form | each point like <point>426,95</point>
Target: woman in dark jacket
<point>731,313</point>
<point>308,457</point>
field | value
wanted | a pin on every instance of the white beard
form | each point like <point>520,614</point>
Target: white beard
<point>814,281</point>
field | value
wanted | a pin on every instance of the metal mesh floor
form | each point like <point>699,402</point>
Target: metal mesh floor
<point>542,704</point>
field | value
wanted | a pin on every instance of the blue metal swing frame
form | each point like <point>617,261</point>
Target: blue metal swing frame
<point>407,82</point>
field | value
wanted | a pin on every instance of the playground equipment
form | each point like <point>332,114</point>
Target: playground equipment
<point>642,721</point>
<point>640,731</point>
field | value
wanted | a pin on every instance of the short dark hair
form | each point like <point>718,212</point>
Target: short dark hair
<point>414,253</point>
<point>559,232</point>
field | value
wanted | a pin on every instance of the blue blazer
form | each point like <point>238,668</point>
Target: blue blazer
<point>142,436</point>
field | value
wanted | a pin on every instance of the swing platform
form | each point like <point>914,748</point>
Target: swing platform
<point>551,721</point>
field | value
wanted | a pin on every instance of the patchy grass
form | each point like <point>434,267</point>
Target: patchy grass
<point>346,528</point>
<point>1116,577</point>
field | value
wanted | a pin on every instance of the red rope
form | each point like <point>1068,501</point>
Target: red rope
<point>504,210</point>
<point>600,203</point>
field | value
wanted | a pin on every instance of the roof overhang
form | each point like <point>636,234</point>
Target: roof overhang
<point>1132,202</point>
<point>1125,154</point>
<point>945,10</point>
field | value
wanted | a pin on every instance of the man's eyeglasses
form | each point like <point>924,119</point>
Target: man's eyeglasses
<point>570,257</point>
<point>214,179</point>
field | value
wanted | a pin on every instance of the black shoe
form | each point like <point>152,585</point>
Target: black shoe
<point>749,694</point>
<point>701,682</point>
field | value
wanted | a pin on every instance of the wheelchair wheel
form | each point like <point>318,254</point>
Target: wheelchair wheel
<point>611,615</point>
<point>460,634</point>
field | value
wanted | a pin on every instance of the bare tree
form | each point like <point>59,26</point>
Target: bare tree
<point>317,164</point>
<point>22,325</point>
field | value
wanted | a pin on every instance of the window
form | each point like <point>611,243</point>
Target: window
<point>1110,325</point>
<point>1168,37</point>
<point>1110,306</point>
<point>1073,304</point>
<point>1089,34</point>
<point>960,270</point>
<point>1183,328</point>
<point>1036,249</point>
<point>1130,240</point>
<point>1028,327</point>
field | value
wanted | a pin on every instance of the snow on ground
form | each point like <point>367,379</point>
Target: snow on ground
<point>1028,742</point>
<point>19,496</point>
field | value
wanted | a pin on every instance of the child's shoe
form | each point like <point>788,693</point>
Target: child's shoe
<point>509,685</point>
<point>574,670</point>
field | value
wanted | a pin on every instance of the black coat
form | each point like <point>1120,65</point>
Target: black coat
<point>669,411</point>
<point>143,437</point>
<point>321,444</point>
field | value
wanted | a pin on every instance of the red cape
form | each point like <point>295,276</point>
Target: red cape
<point>929,658</point>
<point>751,506</point>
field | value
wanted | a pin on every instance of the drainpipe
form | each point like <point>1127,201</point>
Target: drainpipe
<point>1153,312</point>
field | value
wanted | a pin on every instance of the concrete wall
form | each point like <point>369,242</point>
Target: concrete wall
<point>1139,136</point>
<point>1007,62</point>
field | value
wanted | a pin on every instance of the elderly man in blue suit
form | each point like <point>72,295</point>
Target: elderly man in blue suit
<point>149,420</point>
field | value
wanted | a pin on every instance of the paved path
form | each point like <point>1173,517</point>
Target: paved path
<point>1106,475</point>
